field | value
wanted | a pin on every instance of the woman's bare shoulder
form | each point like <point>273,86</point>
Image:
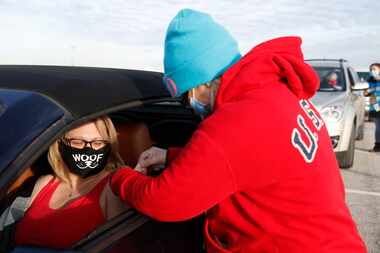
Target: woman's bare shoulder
<point>39,185</point>
<point>43,180</point>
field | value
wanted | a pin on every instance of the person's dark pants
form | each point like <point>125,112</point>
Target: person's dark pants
<point>377,130</point>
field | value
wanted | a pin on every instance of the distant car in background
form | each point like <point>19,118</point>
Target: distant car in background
<point>363,76</point>
<point>341,106</point>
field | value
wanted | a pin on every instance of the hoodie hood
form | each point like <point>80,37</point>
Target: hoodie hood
<point>275,61</point>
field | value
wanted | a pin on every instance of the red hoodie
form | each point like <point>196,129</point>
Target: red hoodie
<point>261,166</point>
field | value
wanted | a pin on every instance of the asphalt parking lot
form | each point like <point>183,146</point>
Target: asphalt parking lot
<point>362,183</point>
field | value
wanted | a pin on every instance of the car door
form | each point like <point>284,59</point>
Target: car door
<point>136,233</point>
<point>133,233</point>
<point>356,97</point>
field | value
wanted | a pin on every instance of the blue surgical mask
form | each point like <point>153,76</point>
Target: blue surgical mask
<point>374,74</point>
<point>200,108</point>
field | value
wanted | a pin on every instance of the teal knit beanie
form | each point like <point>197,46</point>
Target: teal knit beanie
<point>197,50</point>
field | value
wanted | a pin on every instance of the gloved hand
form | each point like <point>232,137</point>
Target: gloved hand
<point>141,169</point>
<point>151,156</point>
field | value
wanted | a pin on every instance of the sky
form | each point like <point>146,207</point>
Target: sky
<point>130,34</point>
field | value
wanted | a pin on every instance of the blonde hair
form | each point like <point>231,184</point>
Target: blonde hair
<point>107,131</point>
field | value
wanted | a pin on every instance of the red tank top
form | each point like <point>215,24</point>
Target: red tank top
<point>60,228</point>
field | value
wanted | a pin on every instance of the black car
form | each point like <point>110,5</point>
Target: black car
<point>40,103</point>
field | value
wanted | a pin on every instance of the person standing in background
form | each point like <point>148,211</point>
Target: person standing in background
<point>374,93</point>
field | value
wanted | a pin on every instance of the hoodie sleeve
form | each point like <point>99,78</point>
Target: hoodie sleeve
<point>199,178</point>
<point>172,154</point>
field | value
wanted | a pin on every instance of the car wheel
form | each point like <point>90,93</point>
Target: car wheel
<point>346,158</point>
<point>360,135</point>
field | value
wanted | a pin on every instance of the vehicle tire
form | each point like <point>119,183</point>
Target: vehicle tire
<point>346,158</point>
<point>360,135</point>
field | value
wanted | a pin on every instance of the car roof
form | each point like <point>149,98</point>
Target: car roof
<point>333,63</point>
<point>84,90</point>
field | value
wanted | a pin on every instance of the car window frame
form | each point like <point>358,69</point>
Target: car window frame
<point>355,75</point>
<point>351,78</point>
<point>2,108</point>
<point>124,224</point>
<point>42,142</point>
<point>29,154</point>
<point>40,145</point>
<point>20,109</point>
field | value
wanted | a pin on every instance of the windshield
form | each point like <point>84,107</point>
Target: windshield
<point>363,75</point>
<point>331,78</point>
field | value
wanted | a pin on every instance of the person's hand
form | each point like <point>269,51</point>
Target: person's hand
<point>140,169</point>
<point>151,156</point>
<point>372,100</point>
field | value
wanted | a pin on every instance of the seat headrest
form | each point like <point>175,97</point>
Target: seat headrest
<point>134,138</point>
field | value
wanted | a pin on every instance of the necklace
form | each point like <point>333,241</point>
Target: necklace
<point>83,188</point>
<point>66,194</point>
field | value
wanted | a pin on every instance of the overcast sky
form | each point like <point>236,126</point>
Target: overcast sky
<point>124,34</point>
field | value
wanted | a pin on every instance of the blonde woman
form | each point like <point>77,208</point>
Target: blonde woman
<point>70,203</point>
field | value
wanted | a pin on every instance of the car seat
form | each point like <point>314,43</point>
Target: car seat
<point>134,138</point>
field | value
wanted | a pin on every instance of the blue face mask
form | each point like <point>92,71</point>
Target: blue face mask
<point>374,74</point>
<point>200,108</point>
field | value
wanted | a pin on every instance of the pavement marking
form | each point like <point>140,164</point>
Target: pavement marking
<point>377,194</point>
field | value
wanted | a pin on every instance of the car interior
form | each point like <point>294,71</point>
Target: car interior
<point>165,124</point>
<point>325,74</point>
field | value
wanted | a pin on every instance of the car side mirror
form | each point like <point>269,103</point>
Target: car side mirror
<point>360,86</point>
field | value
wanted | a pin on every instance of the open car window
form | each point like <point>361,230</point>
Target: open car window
<point>138,129</point>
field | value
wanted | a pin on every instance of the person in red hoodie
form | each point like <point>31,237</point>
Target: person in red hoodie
<point>260,165</point>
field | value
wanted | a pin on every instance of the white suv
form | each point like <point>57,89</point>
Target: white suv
<point>340,105</point>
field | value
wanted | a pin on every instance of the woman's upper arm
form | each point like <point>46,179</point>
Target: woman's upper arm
<point>110,204</point>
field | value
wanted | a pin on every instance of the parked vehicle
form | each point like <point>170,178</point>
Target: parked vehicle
<point>340,105</point>
<point>40,103</point>
<point>363,76</point>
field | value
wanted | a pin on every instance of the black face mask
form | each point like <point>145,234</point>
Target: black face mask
<point>84,162</point>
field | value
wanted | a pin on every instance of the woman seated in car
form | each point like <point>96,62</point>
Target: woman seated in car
<point>72,202</point>
<point>332,81</point>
